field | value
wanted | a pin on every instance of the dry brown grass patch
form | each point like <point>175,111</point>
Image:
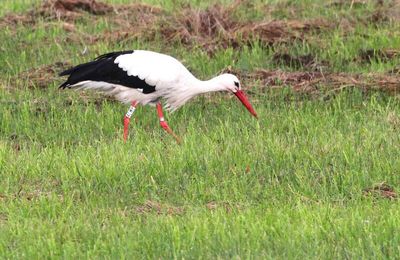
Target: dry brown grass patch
<point>43,76</point>
<point>306,62</point>
<point>228,207</point>
<point>281,31</point>
<point>216,27</point>
<point>378,55</point>
<point>49,10</point>
<point>130,22</point>
<point>65,7</point>
<point>385,11</point>
<point>313,82</point>
<point>381,190</point>
<point>159,208</point>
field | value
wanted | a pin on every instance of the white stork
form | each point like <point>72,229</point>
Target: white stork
<point>144,77</point>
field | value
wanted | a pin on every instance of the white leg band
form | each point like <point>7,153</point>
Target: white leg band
<point>130,111</point>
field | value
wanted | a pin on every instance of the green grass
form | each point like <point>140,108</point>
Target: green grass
<point>289,185</point>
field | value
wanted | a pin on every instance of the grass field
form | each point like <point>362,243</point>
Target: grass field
<point>315,177</point>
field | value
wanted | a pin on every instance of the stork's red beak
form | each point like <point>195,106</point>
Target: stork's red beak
<point>242,97</point>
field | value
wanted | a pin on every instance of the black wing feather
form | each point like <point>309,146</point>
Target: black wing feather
<point>104,69</point>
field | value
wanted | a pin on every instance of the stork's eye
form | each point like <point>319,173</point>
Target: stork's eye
<point>236,84</point>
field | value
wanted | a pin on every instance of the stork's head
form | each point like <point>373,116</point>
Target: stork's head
<point>231,83</point>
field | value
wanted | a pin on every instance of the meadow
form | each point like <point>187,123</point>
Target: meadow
<point>316,176</point>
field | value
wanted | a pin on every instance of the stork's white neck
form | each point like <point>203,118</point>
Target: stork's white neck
<point>212,85</point>
<point>192,87</point>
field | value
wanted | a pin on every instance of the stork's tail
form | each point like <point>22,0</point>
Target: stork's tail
<point>79,73</point>
<point>91,70</point>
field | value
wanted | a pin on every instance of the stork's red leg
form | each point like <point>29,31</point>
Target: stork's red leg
<point>164,123</point>
<point>127,119</point>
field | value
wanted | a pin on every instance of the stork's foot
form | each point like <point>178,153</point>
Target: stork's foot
<point>165,125</point>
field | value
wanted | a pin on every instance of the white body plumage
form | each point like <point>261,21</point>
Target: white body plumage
<point>145,77</point>
<point>171,79</point>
